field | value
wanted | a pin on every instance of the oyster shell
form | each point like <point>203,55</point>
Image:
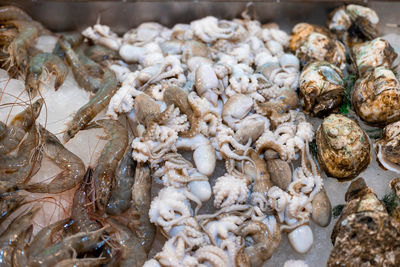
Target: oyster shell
<point>343,148</point>
<point>388,147</point>
<point>372,54</point>
<point>354,23</point>
<point>365,234</point>
<point>376,97</point>
<point>321,88</point>
<point>310,42</point>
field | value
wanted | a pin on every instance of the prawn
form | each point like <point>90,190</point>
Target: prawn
<point>121,193</point>
<point>20,167</point>
<point>141,196</point>
<point>132,251</point>
<point>65,249</point>
<point>9,204</point>
<point>18,127</point>
<point>79,213</point>
<point>19,257</point>
<point>73,167</point>
<point>86,262</point>
<point>104,173</point>
<point>99,53</point>
<point>38,64</point>
<point>99,101</point>
<point>87,73</point>
<point>73,38</point>
<point>13,13</point>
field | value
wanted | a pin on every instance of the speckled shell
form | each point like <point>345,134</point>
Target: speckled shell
<point>343,147</point>
<point>376,97</point>
<point>372,54</point>
<point>310,42</point>
<point>321,88</point>
<point>365,234</point>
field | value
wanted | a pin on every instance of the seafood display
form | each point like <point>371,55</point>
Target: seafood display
<point>203,144</point>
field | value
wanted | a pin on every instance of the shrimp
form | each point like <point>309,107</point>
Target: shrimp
<point>26,163</point>
<point>9,204</point>
<point>44,237</point>
<point>73,38</point>
<point>141,196</point>
<point>104,173</point>
<point>19,257</point>
<point>99,101</point>
<point>121,193</point>
<point>12,234</point>
<point>100,53</point>
<point>38,64</point>
<point>28,31</point>
<point>65,249</point>
<point>73,169</point>
<point>87,73</point>
<point>132,251</point>
<point>80,212</point>
<point>18,127</point>
<point>13,13</point>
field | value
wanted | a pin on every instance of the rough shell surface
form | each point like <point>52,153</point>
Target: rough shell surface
<point>343,147</point>
<point>321,88</point>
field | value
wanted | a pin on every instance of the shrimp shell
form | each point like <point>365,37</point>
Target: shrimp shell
<point>13,13</point>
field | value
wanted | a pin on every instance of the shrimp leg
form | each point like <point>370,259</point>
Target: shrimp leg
<point>72,167</point>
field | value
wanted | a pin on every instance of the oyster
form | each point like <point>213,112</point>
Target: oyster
<point>354,23</point>
<point>388,147</point>
<point>365,234</point>
<point>372,54</point>
<point>343,148</point>
<point>321,88</point>
<point>376,97</point>
<point>310,42</point>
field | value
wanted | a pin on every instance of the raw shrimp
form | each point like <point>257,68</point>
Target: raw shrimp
<point>13,13</point>
<point>19,257</point>
<point>28,31</point>
<point>121,193</point>
<point>132,251</point>
<point>80,212</point>
<point>44,238</point>
<point>44,62</point>
<point>18,127</point>
<point>99,101</point>
<point>12,234</point>
<point>72,167</point>
<point>104,173</point>
<point>101,53</point>
<point>26,163</point>
<point>73,38</point>
<point>8,204</point>
<point>65,249</point>
<point>87,73</point>
<point>141,196</point>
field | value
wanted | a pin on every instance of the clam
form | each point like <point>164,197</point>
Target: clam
<point>354,23</point>
<point>388,147</point>
<point>321,88</point>
<point>372,54</point>
<point>310,42</point>
<point>376,97</point>
<point>365,234</point>
<point>343,148</point>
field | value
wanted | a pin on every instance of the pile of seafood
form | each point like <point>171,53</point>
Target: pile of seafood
<point>172,104</point>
